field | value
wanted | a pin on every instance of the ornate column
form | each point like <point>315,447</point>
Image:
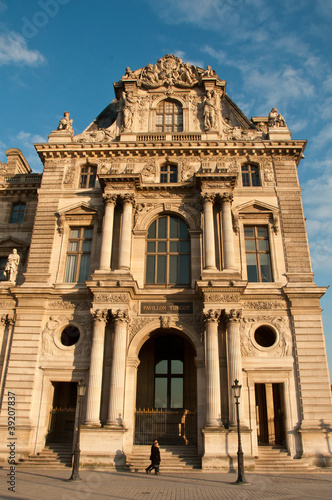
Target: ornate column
<point>212,370</point>
<point>107,237</point>
<point>118,373</point>
<point>126,230</point>
<point>209,243</point>
<point>234,359</point>
<point>96,368</point>
<point>227,232</point>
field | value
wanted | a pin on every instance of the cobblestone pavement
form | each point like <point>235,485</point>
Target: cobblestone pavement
<point>54,485</point>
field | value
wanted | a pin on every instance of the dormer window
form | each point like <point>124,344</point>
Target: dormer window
<point>168,174</point>
<point>250,176</point>
<point>169,116</point>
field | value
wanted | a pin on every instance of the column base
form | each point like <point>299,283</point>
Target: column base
<point>91,424</point>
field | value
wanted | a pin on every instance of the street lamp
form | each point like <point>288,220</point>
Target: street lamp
<point>240,466</point>
<point>76,462</point>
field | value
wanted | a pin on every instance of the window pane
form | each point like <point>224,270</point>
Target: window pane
<point>162,227</point>
<point>173,177</point>
<point>184,246</point>
<point>184,235</point>
<point>151,246</point>
<point>83,181</point>
<point>173,269</point>
<point>250,245</point>
<point>162,246</point>
<point>150,269</point>
<point>73,246</point>
<point>87,233</point>
<point>168,119</point>
<point>177,393</point>
<point>249,232</point>
<point>92,180</point>
<point>160,392</point>
<point>161,367</point>
<point>163,178</point>
<point>152,230</point>
<point>161,269</point>
<point>173,246</point>
<point>245,179</point>
<point>74,233</point>
<point>84,268</point>
<point>263,245</point>
<point>265,267</point>
<point>176,367</point>
<point>70,268</point>
<point>262,232</point>
<point>159,119</point>
<point>252,268</point>
<point>174,228</point>
<point>184,270</point>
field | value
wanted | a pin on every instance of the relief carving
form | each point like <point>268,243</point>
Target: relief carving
<point>283,345</point>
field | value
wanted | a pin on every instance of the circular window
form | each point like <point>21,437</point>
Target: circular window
<point>265,336</point>
<point>70,336</point>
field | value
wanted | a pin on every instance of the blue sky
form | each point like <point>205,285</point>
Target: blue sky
<point>58,55</point>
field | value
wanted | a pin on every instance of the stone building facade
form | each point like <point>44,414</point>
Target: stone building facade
<point>163,255</point>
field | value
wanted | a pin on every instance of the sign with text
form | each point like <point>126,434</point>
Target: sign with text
<point>167,308</point>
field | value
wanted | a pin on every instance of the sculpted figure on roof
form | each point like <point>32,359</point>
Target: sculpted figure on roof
<point>169,70</point>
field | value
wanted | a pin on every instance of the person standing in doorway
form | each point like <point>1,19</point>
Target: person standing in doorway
<point>155,458</point>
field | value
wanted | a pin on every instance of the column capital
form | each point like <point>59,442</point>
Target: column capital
<point>208,197</point>
<point>226,197</point>
<point>120,316</point>
<point>99,315</point>
<point>109,198</point>
<point>127,198</point>
<point>211,316</point>
<point>233,316</point>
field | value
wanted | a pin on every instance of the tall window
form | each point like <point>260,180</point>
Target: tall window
<point>258,253</point>
<point>88,176</point>
<point>168,252</point>
<point>17,215</point>
<point>169,117</point>
<point>250,175</point>
<point>168,173</point>
<point>3,262</point>
<point>78,255</point>
<point>168,378</point>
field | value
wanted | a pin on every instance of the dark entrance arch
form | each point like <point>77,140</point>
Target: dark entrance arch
<point>166,398</point>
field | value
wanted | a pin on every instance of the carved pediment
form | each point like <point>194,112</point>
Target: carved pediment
<point>256,209</point>
<point>78,212</point>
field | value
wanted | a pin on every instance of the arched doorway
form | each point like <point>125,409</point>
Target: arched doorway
<point>166,398</point>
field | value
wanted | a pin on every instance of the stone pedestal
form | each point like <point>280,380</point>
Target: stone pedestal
<point>221,446</point>
<point>102,447</point>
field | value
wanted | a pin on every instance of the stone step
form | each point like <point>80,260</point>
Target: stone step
<point>173,458</point>
<point>276,459</point>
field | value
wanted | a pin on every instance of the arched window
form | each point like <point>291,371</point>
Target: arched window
<point>88,176</point>
<point>169,372</point>
<point>250,175</point>
<point>168,252</point>
<point>168,174</point>
<point>169,116</point>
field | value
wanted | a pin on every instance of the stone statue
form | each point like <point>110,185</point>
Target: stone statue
<point>128,110</point>
<point>208,72</point>
<point>209,111</point>
<point>66,123</point>
<point>11,268</point>
<point>276,119</point>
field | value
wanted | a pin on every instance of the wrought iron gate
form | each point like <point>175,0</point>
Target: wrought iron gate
<point>168,426</point>
<point>61,425</point>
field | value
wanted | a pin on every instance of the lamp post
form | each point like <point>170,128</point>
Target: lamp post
<point>240,470</point>
<point>81,387</point>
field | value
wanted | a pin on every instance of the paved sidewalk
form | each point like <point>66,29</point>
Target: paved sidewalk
<point>53,485</point>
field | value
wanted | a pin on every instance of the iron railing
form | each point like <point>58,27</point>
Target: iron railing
<point>177,427</point>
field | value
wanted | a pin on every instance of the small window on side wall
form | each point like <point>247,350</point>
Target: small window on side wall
<point>258,254</point>
<point>88,176</point>
<point>17,214</point>
<point>168,174</point>
<point>250,176</point>
<point>78,255</point>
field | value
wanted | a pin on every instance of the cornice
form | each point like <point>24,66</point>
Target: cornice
<point>131,149</point>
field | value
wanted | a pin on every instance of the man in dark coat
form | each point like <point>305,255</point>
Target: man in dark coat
<point>155,458</point>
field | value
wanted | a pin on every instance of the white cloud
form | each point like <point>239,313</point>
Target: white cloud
<point>323,138</point>
<point>27,139</point>
<point>182,55</point>
<point>14,50</point>
<point>3,6</point>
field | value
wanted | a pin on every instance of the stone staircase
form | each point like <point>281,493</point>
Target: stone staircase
<point>173,458</point>
<point>274,459</point>
<point>53,456</point>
